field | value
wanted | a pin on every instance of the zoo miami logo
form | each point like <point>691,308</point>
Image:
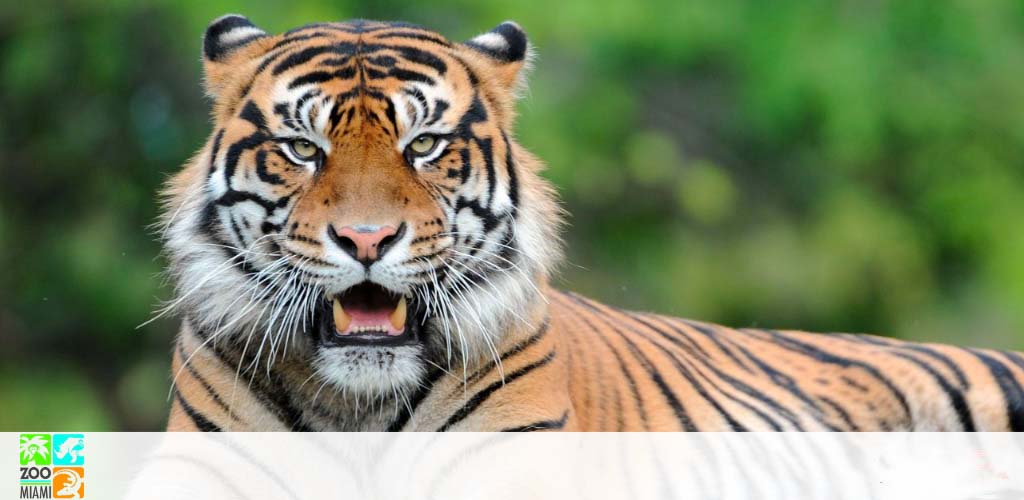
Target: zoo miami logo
<point>51,465</point>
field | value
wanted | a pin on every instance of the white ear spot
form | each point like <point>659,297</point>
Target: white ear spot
<point>492,41</point>
<point>506,43</point>
<point>227,34</point>
<point>239,34</point>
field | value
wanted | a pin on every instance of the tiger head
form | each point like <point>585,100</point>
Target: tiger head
<point>361,203</point>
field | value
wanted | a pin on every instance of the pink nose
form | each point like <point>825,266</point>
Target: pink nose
<point>365,242</point>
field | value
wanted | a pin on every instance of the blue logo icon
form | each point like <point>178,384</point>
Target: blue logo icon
<point>69,449</point>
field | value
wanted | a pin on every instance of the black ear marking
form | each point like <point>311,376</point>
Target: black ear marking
<point>506,42</point>
<point>227,34</point>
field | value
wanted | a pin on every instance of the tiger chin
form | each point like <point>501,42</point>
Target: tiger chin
<point>362,244</point>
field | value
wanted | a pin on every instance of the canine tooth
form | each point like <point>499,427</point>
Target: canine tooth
<point>341,318</point>
<point>398,315</point>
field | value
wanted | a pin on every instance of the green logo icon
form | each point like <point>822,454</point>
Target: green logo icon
<point>35,449</point>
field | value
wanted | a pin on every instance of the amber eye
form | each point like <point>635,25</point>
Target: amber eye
<point>304,150</point>
<point>423,145</point>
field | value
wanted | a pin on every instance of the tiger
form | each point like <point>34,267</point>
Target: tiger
<point>363,245</point>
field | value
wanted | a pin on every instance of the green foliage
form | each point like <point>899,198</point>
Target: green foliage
<point>830,166</point>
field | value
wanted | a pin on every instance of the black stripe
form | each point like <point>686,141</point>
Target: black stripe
<point>843,414</point>
<point>214,151</point>
<point>1014,358</point>
<point>233,197</point>
<point>440,106</point>
<point>488,219</point>
<point>712,335</point>
<point>235,151</point>
<point>728,379</point>
<point>423,57</point>
<point>542,425</point>
<point>955,396</point>
<point>487,153</point>
<point>477,113</point>
<point>619,415</point>
<point>322,77</point>
<point>518,348</point>
<point>342,27</point>
<point>786,383</point>
<point>410,54</point>
<point>412,35</point>
<point>513,176</point>
<point>384,61</point>
<point>199,420</point>
<point>666,391</point>
<point>292,39</point>
<point>823,356</point>
<point>480,397</point>
<point>237,231</point>
<point>262,172</point>
<point>422,391</point>
<point>625,371</point>
<point>308,53</point>
<point>853,383</point>
<point>1010,386</point>
<point>268,390</point>
<point>214,347</point>
<point>409,75</point>
<point>206,385</point>
<point>206,224</point>
<point>686,373</point>
<point>277,396</point>
<point>252,114</point>
<point>950,364</point>
<point>927,351</point>
<point>389,113</point>
<point>415,93</point>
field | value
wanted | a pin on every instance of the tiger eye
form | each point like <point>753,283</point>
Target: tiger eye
<point>304,149</point>
<point>423,144</point>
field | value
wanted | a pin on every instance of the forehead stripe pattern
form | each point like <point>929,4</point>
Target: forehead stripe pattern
<point>369,61</point>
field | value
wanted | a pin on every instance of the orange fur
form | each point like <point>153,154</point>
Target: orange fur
<point>565,362</point>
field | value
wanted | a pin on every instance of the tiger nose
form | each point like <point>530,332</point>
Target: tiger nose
<point>367,243</point>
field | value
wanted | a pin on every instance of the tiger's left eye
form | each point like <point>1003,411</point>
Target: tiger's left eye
<point>422,145</point>
<point>303,149</point>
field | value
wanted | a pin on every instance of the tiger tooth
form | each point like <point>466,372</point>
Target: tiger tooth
<point>398,315</point>
<point>341,318</point>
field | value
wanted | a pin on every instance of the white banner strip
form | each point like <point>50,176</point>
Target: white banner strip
<point>506,466</point>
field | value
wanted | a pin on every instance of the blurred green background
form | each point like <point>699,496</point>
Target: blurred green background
<point>833,166</point>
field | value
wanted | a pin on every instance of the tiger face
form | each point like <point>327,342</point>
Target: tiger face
<point>360,205</point>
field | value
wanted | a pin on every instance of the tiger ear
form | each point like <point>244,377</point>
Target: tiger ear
<point>228,41</point>
<point>508,51</point>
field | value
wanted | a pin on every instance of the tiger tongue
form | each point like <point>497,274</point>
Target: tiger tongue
<point>359,319</point>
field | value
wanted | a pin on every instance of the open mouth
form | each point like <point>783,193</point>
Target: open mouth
<point>368,314</point>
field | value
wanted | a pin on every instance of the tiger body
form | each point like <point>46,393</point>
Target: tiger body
<point>362,245</point>
<point>591,367</point>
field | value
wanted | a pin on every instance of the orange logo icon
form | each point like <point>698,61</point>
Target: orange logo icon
<point>69,482</point>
